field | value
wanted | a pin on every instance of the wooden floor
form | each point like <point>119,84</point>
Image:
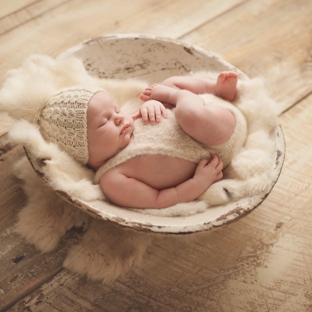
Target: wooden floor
<point>262,262</point>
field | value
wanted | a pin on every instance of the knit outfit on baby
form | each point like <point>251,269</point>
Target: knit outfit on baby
<point>168,138</point>
<point>63,120</point>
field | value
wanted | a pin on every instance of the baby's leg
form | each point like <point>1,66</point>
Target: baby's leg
<point>224,87</point>
<point>160,92</point>
<point>210,125</point>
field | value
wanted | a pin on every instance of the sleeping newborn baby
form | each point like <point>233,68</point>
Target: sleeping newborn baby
<point>170,151</point>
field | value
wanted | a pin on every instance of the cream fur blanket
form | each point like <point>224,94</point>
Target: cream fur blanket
<point>107,251</point>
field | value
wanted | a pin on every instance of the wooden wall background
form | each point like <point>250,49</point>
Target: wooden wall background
<point>263,262</point>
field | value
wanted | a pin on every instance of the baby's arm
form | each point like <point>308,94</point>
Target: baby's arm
<point>128,192</point>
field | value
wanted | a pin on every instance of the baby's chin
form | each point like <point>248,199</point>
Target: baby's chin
<point>128,138</point>
<point>96,162</point>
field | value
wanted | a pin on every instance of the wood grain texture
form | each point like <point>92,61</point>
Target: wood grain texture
<point>45,33</point>
<point>262,262</point>
<point>255,264</point>
<point>16,13</point>
<point>22,267</point>
<point>10,7</point>
<point>270,39</point>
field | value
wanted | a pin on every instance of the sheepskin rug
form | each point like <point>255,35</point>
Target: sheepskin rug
<point>108,251</point>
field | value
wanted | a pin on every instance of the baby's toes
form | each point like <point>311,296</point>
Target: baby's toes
<point>143,97</point>
<point>222,76</point>
<point>146,94</point>
<point>233,74</point>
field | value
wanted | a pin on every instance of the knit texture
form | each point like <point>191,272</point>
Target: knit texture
<point>168,138</point>
<point>63,121</point>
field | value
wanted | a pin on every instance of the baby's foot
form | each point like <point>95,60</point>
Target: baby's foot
<point>158,92</point>
<point>226,85</point>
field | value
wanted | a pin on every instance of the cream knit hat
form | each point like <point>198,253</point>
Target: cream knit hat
<point>63,120</point>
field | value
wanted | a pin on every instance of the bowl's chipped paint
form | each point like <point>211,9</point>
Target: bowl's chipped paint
<point>112,57</point>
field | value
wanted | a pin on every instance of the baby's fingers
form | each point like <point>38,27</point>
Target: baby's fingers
<point>152,114</point>
<point>156,112</point>
<point>203,163</point>
<point>144,115</point>
<point>163,110</point>
<point>220,165</point>
<point>214,160</point>
<point>160,111</point>
<point>136,115</point>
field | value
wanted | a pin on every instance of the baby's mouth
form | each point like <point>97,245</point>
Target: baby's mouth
<point>124,129</point>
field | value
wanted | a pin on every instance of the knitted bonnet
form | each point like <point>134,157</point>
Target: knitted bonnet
<point>63,120</point>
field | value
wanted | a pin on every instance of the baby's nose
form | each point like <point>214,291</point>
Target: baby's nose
<point>119,120</point>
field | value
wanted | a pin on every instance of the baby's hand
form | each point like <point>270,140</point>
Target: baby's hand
<point>209,171</point>
<point>151,111</point>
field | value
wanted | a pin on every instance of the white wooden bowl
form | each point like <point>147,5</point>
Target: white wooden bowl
<point>154,59</point>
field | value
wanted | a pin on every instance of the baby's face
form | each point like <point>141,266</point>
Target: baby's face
<point>108,129</point>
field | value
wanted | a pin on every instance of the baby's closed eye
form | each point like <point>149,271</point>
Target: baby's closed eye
<point>102,123</point>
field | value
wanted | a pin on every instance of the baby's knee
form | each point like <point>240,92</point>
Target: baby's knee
<point>186,114</point>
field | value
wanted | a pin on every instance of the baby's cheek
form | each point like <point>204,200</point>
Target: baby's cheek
<point>127,139</point>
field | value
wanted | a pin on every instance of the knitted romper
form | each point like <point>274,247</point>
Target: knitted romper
<point>168,138</point>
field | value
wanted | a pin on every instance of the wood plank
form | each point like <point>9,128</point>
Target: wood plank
<point>259,263</point>
<point>270,39</point>
<point>9,7</point>
<point>85,20</point>
<point>29,268</point>
<point>19,12</point>
<point>22,267</point>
